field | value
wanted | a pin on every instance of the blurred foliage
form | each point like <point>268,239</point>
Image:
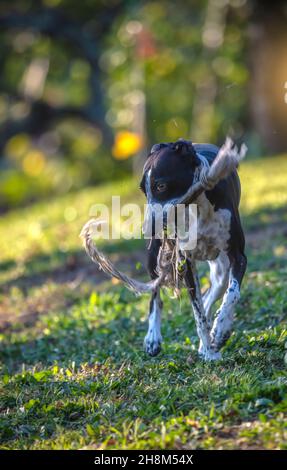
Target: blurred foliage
<point>162,55</point>
<point>167,70</point>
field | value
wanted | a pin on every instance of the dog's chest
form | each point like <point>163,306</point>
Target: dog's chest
<point>213,230</point>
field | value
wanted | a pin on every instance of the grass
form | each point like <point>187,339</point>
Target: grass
<point>73,372</point>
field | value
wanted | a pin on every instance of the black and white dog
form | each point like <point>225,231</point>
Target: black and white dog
<point>168,173</point>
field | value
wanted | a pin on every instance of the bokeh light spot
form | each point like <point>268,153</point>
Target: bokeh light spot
<point>34,163</point>
<point>126,144</point>
<point>70,214</point>
<point>17,146</point>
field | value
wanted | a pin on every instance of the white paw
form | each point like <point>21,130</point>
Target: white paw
<point>152,343</point>
<point>209,354</point>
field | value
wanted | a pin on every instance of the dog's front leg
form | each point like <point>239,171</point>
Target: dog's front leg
<point>192,283</point>
<point>153,339</point>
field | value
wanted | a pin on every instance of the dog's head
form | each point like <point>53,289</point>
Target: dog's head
<point>169,171</point>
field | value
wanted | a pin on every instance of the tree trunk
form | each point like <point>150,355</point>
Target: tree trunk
<point>268,72</point>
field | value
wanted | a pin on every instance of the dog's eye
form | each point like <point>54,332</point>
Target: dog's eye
<point>160,187</point>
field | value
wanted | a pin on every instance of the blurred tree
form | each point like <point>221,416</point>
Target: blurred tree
<point>268,84</point>
<point>52,99</point>
<point>86,85</point>
<point>183,60</point>
<point>56,25</point>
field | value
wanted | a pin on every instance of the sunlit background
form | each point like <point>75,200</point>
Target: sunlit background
<point>86,87</point>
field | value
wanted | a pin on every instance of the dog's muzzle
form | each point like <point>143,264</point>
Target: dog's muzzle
<point>159,221</point>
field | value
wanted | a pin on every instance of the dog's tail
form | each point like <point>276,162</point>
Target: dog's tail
<point>108,267</point>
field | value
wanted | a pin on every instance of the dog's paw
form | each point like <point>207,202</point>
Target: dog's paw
<point>213,356</point>
<point>209,355</point>
<point>219,338</point>
<point>152,345</point>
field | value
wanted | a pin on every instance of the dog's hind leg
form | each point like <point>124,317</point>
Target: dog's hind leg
<point>153,339</point>
<point>192,283</point>
<point>222,326</point>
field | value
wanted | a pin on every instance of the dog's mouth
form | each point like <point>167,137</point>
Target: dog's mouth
<point>155,220</point>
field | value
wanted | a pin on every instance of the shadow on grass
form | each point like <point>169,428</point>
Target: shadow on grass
<point>68,275</point>
<point>65,266</point>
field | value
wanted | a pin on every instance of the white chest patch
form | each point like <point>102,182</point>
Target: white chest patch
<point>213,230</point>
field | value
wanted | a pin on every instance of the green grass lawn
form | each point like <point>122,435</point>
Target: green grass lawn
<point>73,371</point>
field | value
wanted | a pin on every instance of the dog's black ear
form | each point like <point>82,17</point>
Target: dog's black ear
<point>185,147</point>
<point>156,148</point>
